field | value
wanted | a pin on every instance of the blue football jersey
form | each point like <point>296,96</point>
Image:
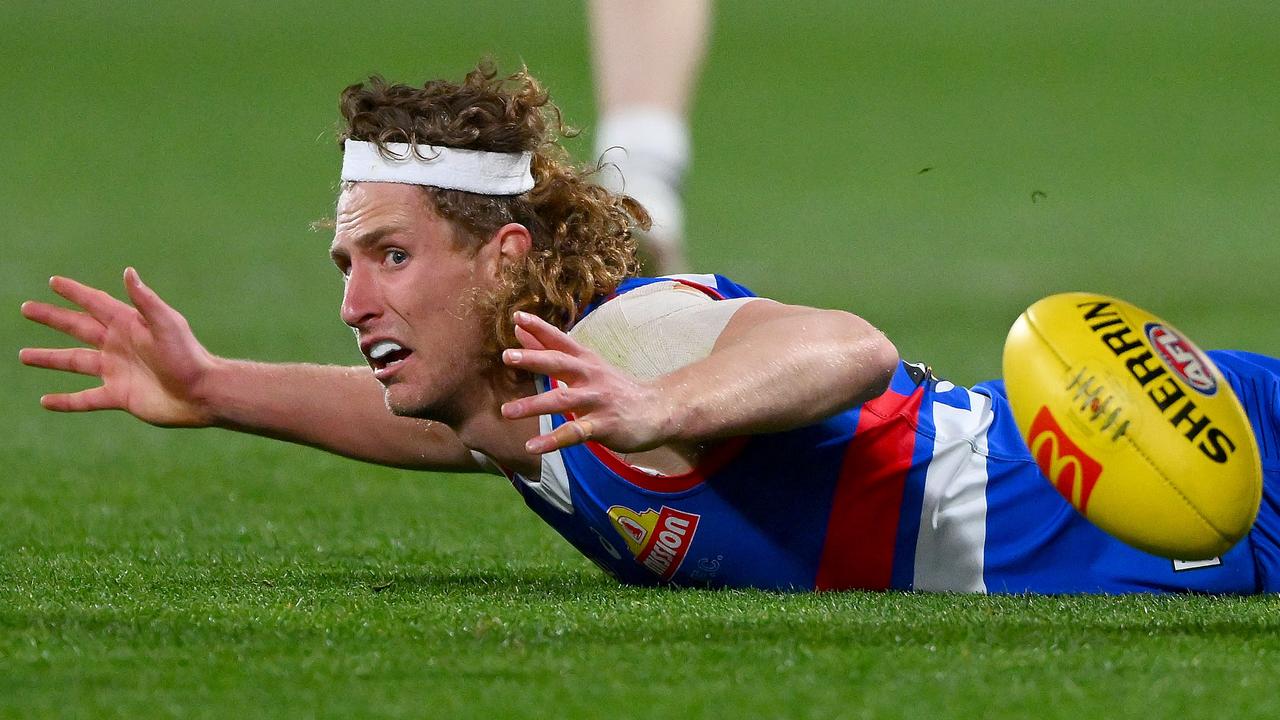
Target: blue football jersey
<point>929,486</point>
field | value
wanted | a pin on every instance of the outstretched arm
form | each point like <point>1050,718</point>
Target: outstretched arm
<point>774,367</point>
<point>153,367</point>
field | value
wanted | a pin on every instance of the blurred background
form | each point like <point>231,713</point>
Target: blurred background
<point>934,167</point>
<point>876,156</point>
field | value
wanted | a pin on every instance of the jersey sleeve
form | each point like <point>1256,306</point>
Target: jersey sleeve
<point>657,328</point>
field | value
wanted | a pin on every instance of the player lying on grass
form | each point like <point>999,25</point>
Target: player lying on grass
<point>674,430</point>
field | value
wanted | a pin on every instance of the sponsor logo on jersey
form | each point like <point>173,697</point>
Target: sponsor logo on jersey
<point>1153,376</point>
<point>631,527</point>
<point>1182,358</point>
<point>659,539</point>
<point>1069,468</point>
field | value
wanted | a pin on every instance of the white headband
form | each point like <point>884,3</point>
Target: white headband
<point>477,171</point>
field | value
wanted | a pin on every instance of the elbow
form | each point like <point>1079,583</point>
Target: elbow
<point>874,359</point>
<point>882,362</point>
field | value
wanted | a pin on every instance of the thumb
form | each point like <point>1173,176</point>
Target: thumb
<point>154,310</point>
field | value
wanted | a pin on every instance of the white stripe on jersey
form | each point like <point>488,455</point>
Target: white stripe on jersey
<point>699,278</point>
<point>553,485</point>
<point>953,518</point>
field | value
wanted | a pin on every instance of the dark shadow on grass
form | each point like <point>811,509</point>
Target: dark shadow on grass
<point>543,584</point>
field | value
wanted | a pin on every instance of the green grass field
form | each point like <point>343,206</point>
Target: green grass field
<point>201,574</point>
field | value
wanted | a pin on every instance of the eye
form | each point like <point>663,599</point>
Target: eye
<point>397,256</point>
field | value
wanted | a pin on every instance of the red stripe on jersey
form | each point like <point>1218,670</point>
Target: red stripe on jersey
<point>863,525</point>
<point>706,289</point>
<point>709,464</point>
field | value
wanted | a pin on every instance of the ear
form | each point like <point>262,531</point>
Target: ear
<point>513,243</point>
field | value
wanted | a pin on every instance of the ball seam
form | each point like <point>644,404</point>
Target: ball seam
<point>1031,323</point>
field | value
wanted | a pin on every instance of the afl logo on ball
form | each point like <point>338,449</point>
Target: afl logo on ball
<point>1184,359</point>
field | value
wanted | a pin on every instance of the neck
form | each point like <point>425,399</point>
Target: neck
<point>481,426</point>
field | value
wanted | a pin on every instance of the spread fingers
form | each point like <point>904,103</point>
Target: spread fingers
<point>100,305</point>
<point>569,433</point>
<point>560,400</point>
<point>84,401</point>
<point>546,334</point>
<point>551,363</point>
<point>77,360</point>
<point>72,322</point>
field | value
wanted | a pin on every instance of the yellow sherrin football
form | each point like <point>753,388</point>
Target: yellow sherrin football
<point>1133,424</point>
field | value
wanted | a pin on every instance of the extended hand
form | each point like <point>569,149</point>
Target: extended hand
<point>607,405</point>
<point>150,363</point>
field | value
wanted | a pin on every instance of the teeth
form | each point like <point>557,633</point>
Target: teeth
<point>382,349</point>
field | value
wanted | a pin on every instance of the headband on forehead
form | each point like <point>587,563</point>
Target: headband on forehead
<point>477,171</point>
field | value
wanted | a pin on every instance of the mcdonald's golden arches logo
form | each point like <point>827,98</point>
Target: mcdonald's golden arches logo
<point>1069,468</point>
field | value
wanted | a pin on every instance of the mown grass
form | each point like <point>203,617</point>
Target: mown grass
<point>199,574</point>
<point>338,608</point>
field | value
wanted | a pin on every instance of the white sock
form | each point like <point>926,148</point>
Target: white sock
<point>644,152</point>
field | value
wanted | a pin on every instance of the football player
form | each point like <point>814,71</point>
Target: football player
<point>675,430</point>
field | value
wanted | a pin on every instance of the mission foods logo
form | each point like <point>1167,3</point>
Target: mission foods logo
<point>1069,468</point>
<point>659,539</point>
<point>1182,358</point>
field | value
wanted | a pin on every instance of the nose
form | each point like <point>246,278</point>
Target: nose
<point>361,298</point>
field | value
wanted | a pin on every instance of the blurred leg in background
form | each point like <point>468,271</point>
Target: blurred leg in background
<point>647,54</point>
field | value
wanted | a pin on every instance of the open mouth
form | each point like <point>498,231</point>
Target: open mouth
<point>387,354</point>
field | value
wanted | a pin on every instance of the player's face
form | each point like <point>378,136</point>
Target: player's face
<point>410,287</point>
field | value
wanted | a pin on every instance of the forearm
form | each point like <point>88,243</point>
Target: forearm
<point>773,367</point>
<point>783,372</point>
<point>334,408</point>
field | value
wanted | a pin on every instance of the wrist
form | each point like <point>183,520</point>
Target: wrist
<point>673,413</point>
<point>209,391</point>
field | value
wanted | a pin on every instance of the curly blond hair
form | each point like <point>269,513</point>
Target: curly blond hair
<point>582,233</point>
